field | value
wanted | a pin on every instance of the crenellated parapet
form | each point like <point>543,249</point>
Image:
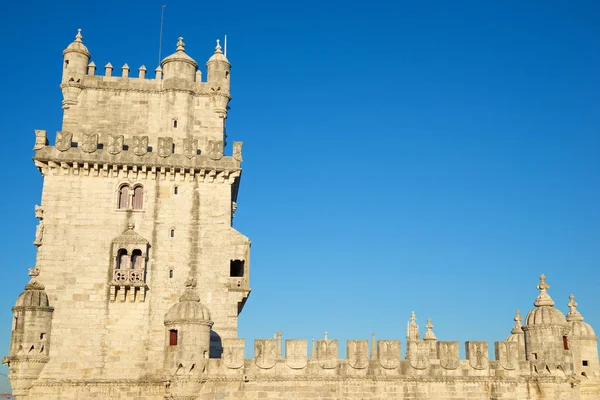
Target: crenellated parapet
<point>385,362</point>
<point>139,157</point>
<point>176,102</point>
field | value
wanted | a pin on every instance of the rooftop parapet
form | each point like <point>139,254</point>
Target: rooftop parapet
<point>176,72</point>
<point>294,361</point>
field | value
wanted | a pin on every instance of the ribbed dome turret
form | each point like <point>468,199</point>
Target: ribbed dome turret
<point>575,319</point>
<point>34,294</point>
<point>189,309</point>
<point>544,313</point>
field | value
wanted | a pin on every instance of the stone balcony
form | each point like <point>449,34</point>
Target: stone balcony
<point>128,277</point>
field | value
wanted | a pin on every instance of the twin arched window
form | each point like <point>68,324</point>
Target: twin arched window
<point>131,199</point>
<point>125,262</point>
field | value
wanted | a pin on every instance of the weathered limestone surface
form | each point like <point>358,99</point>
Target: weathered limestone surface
<point>140,276</point>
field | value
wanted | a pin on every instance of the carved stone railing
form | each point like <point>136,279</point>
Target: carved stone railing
<point>128,277</point>
<point>129,283</point>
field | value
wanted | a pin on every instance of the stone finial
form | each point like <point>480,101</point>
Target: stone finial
<point>78,37</point>
<point>218,48</point>
<point>573,314</point>
<point>429,335</point>
<point>518,328</point>
<point>131,225</point>
<point>91,69</point>
<point>412,330</point>
<point>198,76</point>
<point>180,44</point>
<point>543,299</point>
<point>190,293</point>
<point>313,353</point>
<point>373,347</point>
<point>33,272</point>
<point>108,69</point>
<point>158,73</point>
<point>142,72</point>
<point>125,70</point>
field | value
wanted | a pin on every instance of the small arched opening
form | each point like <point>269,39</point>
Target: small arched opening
<point>121,259</point>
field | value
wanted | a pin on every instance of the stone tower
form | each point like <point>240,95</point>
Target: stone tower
<point>138,198</point>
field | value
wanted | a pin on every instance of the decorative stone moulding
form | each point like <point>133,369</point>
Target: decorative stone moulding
<point>115,144</point>
<point>265,353</point>
<point>388,353</point>
<point>507,354</point>
<point>165,146</point>
<point>418,355</point>
<point>190,147</point>
<point>63,141</point>
<point>477,354</point>
<point>296,353</point>
<point>447,352</point>
<point>327,353</point>
<point>233,353</point>
<point>358,353</point>
<point>41,139</point>
<point>71,91</point>
<point>89,143</point>
<point>140,145</point>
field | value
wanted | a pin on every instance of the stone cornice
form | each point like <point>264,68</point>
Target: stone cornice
<point>147,166</point>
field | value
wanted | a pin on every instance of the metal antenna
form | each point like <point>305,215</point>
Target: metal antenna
<point>162,18</point>
<point>225,52</point>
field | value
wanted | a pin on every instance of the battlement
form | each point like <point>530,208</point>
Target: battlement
<point>425,359</point>
<point>175,102</point>
<point>114,155</point>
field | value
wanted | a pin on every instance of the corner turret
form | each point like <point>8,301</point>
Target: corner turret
<point>187,334</point>
<point>179,65</point>
<point>546,332</point>
<point>76,58</point>
<point>218,69</point>
<point>583,343</point>
<point>517,336</point>
<point>30,338</point>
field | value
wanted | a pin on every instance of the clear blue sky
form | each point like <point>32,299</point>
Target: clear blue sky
<point>398,156</point>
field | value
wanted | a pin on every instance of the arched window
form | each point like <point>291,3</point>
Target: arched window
<point>123,197</point>
<point>122,261</point>
<point>138,198</point>
<point>137,260</point>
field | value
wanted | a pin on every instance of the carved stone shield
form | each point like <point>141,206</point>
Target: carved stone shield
<point>358,353</point>
<point>507,354</point>
<point>418,355</point>
<point>140,145</point>
<point>295,353</point>
<point>63,141</point>
<point>190,147</point>
<point>388,353</point>
<point>265,353</point>
<point>477,353</point>
<point>327,353</point>
<point>237,151</point>
<point>165,146</point>
<point>215,149</point>
<point>115,144</point>
<point>233,353</point>
<point>448,354</point>
<point>89,143</point>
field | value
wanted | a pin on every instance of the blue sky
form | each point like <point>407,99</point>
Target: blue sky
<point>398,156</point>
